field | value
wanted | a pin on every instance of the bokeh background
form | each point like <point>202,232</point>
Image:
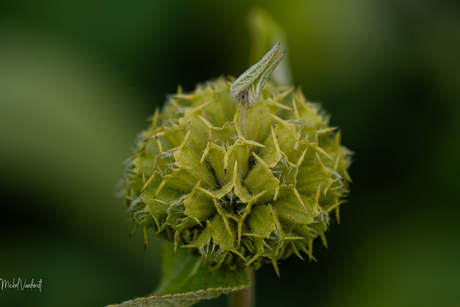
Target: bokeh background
<point>79,78</point>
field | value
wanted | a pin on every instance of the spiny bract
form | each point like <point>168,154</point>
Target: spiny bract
<point>237,198</point>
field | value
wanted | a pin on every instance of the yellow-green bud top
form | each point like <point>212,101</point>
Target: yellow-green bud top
<point>235,198</point>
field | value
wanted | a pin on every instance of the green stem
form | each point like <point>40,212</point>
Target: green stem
<point>243,118</point>
<point>245,297</point>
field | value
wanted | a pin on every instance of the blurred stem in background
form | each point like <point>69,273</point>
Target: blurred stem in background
<point>265,33</point>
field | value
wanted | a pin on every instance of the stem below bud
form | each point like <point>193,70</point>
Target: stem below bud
<point>243,118</point>
<point>245,297</point>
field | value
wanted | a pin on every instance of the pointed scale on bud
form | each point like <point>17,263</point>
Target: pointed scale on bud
<point>238,199</point>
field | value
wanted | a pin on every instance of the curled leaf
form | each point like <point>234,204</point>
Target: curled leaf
<point>249,85</point>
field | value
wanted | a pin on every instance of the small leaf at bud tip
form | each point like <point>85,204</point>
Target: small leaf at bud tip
<point>249,85</point>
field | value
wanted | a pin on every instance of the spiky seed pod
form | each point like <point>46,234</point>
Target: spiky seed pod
<point>237,199</point>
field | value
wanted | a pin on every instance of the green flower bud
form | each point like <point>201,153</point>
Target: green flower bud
<point>234,197</point>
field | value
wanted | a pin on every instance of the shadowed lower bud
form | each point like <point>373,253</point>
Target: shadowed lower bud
<point>234,199</point>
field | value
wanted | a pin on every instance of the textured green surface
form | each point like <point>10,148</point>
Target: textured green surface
<point>185,281</point>
<point>237,198</point>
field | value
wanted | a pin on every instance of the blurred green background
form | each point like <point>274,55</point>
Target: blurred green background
<point>79,78</point>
